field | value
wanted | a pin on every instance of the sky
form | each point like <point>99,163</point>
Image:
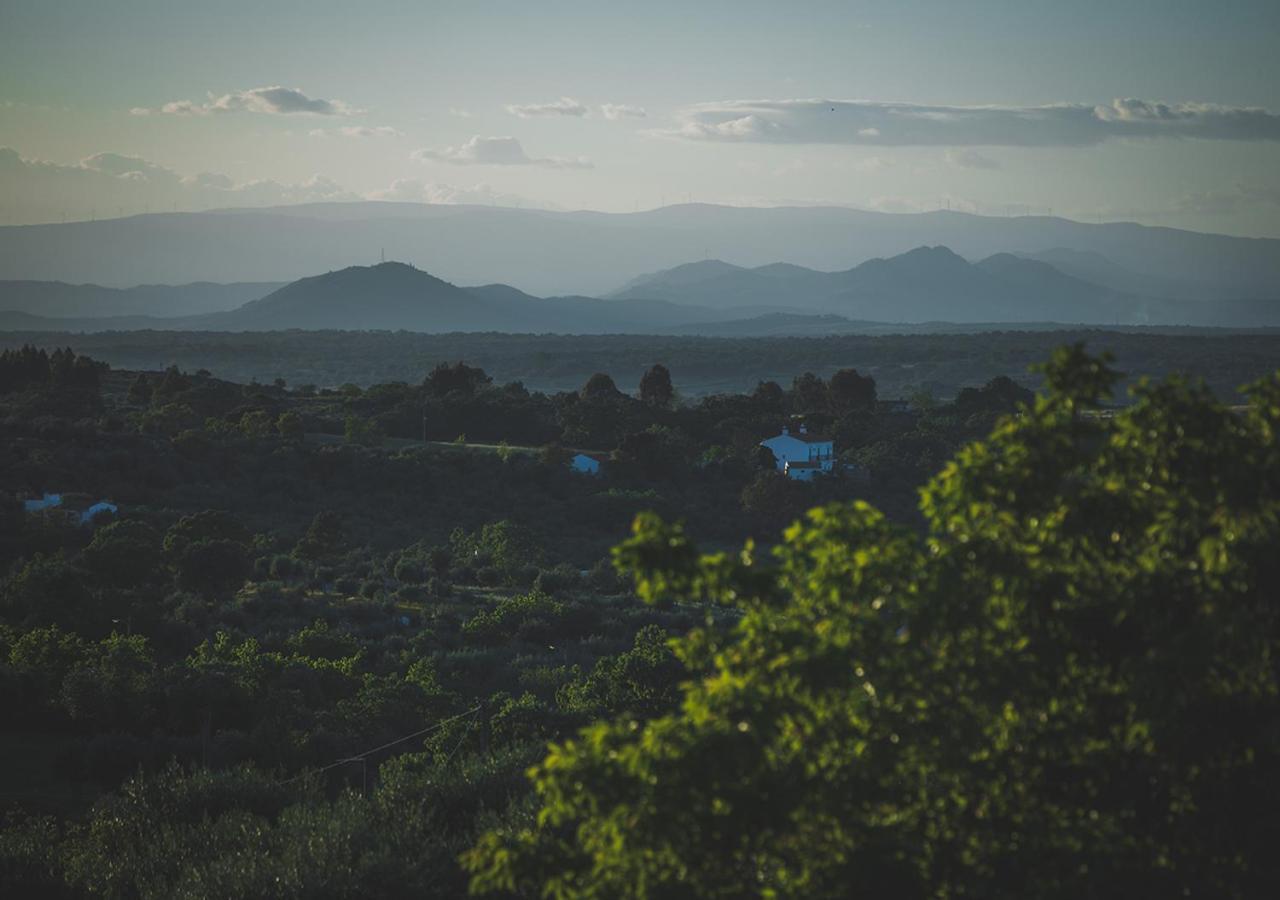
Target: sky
<point>1166,113</point>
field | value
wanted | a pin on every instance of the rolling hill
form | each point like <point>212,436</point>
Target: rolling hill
<point>59,299</point>
<point>925,284</point>
<point>590,253</point>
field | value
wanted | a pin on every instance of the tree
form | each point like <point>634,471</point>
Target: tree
<point>600,388</point>
<point>458,378</point>
<point>655,386</point>
<point>125,553</point>
<point>555,456</point>
<point>324,538</point>
<point>999,395</point>
<point>1067,688</point>
<point>214,566</point>
<point>289,426</point>
<point>808,393</point>
<point>849,390</point>
<point>769,396</point>
<point>207,525</point>
<point>363,431</point>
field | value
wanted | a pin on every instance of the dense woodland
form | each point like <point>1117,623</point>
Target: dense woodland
<point>333,624</point>
<point>940,363</point>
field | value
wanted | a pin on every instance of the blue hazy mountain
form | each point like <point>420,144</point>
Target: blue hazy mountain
<point>59,299</point>
<point>925,284</point>
<point>590,253</point>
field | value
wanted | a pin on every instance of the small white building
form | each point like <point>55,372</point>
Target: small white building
<point>75,509</point>
<point>586,463</point>
<point>802,455</point>
<point>48,501</point>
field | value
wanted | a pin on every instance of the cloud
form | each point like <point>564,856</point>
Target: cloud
<point>358,131</point>
<point>904,124</point>
<point>1228,202</point>
<point>274,100</point>
<point>459,113</point>
<point>113,183</point>
<point>615,111</point>
<point>130,167</point>
<point>970,159</point>
<point>565,106</point>
<point>497,151</point>
<point>414,191</point>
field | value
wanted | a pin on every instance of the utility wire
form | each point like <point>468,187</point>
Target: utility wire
<point>359,757</point>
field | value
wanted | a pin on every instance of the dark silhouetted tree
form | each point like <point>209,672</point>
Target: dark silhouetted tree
<point>655,386</point>
<point>599,388</point>
<point>849,390</point>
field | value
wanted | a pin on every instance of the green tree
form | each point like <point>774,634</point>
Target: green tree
<point>207,525</point>
<point>459,379</point>
<point>1067,688</point>
<point>289,426</point>
<point>214,566</point>
<point>849,390</point>
<point>363,431</point>
<point>600,389</point>
<point>655,386</point>
<point>324,538</point>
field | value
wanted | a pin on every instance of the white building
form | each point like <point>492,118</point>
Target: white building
<point>802,455</point>
<point>585,463</point>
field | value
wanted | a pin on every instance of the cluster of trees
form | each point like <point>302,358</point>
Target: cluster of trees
<point>902,364</point>
<point>1068,688</point>
<point>299,668</point>
<point>194,690</point>
<point>32,367</point>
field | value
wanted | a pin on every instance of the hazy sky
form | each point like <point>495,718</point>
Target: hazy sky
<point>1161,112</point>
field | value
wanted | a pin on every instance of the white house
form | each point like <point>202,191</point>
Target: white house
<point>802,455</point>
<point>586,463</point>
<point>48,501</point>
<point>102,506</point>
<point>76,509</point>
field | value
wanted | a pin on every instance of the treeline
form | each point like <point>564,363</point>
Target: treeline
<point>903,364</point>
<point>29,366</point>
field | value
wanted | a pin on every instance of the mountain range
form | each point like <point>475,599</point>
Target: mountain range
<point>925,285</point>
<point>591,253</point>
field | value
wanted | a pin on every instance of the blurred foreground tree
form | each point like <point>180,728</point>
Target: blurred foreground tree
<point>1068,688</point>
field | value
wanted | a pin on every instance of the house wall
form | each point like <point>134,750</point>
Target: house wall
<point>585,464</point>
<point>787,449</point>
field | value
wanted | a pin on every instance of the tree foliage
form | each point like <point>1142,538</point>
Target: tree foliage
<point>655,386</point>
<point>1068,688</point>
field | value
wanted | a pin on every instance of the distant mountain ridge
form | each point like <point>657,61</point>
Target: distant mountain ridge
<point>927,285</point>
<point>397,296</point>
<point>922,285</point>
<point>59,299</point>
<point>590,253</point>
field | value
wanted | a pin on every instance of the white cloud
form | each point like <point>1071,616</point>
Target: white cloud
<point>970,159</point>
<point>415,191</point>
<point>215,180</point>
<point>497,151</point>
<point>358,131</point>
<point>615,111</point>
<point>112,183</point>
<point>459,113</point>
<point>565,106</point>
<point>1228,202</point>
<point>900,124</point>
<point>273,100</point>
